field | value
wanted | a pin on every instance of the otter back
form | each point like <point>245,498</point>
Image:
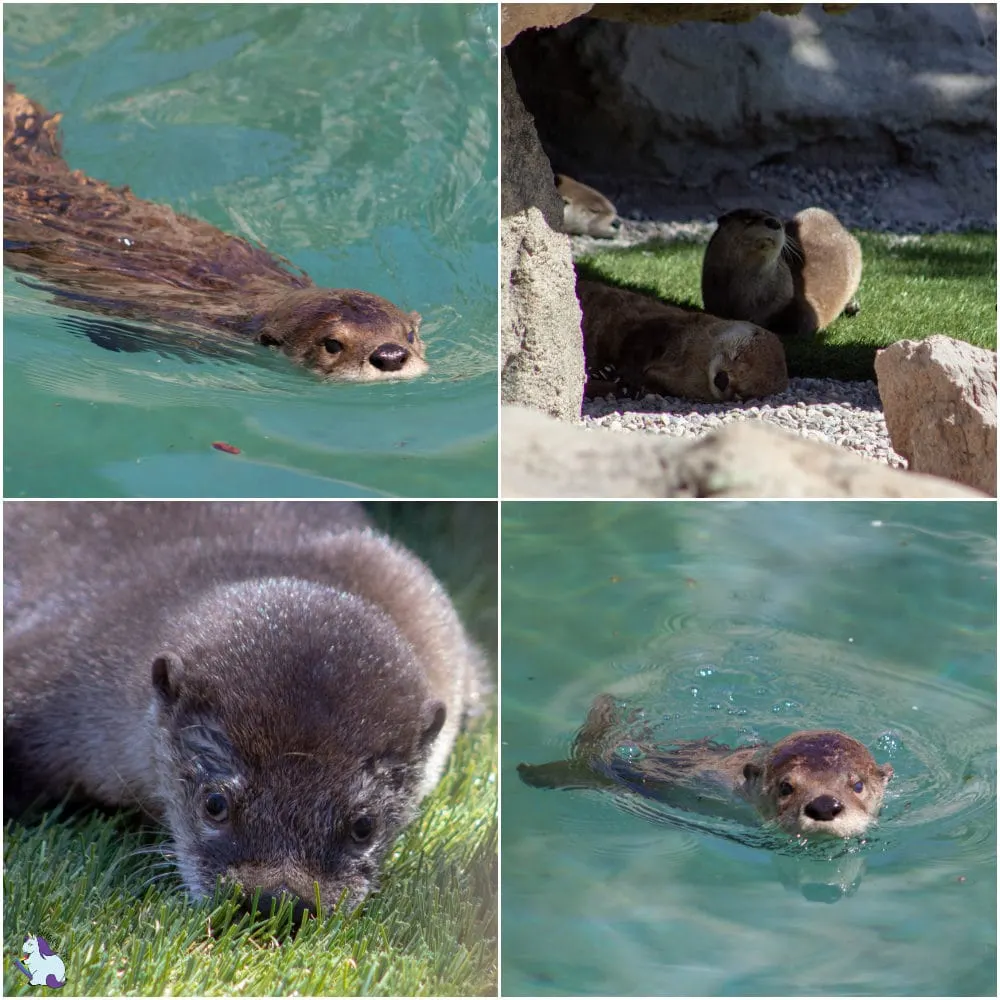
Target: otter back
<point>276,682</point>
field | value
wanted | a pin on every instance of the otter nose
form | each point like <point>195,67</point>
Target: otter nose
<point>269,901</point>
<point>389,357</point>
<point>824,808</point>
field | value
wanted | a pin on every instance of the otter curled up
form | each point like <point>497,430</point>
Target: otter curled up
<point>101,249</point>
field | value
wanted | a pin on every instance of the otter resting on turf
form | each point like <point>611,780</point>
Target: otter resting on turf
<point>101,249</point>
<point>811,783</point>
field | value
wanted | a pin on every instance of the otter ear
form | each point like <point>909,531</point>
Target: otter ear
<point>417,319</point>
<point>752,771</point>
<point>168,675</point>
<point>886,771</point>
<point>434,713</point>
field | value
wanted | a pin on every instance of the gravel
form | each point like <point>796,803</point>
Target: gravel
<point>848,414</point>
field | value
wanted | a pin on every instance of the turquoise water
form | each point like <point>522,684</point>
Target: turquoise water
<point>358,141</point>
<point>741,622</point>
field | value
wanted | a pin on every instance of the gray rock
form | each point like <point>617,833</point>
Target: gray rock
<point>542,457</point>
<point>940,401</point>
<point>684,114</point>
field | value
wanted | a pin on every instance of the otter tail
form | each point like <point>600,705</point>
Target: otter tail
<point>29,131</point>
<point>580,770</point>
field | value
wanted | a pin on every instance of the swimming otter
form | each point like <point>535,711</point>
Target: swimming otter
<point>655,347</point>
<point>586,212</point>
<point>101,249</point>
<point>792,278</point>
<point>812,783</point>
<point>277,683</point>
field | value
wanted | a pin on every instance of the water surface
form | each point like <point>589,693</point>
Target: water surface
<point>744,622</point>
<point>358,141</point>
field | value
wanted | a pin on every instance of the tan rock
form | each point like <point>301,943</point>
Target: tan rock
<point>939,396</point>
<point>541,457</point>
<point>515,17</point>
<point>541,346</point>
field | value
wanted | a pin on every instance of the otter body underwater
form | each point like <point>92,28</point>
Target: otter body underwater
<point>101,249</point>
<point>277,683</point>
<point>811,783</point>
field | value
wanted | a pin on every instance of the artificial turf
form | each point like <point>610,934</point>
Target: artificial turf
<point>911,287</point>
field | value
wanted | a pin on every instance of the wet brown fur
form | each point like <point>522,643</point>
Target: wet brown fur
<point>805,783</point>
<point>101,249</point>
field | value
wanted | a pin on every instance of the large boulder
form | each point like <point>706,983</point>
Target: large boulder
<point>541,345</point>
<point>697,106</point>
<point>940,401</point>
<point>541,457</point>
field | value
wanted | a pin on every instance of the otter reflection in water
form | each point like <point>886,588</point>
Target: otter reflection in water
<point>101,249</point>
<point>813,783</point>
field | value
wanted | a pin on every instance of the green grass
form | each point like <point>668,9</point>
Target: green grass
<point>429,931</point>
<point>910,289</point>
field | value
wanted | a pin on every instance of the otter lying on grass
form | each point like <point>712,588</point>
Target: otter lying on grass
<point>813,783</point>
<point>101,249</point>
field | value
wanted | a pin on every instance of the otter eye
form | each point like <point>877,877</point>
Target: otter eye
<point>216,807</point>
<point>785,789</point>
<point>411,336</point>
<point>362,829</point>
<point>332,345</point>
<point>859,786</point>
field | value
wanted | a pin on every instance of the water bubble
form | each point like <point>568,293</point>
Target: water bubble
<point>629,751</point>
<point>694,692</point>
<point>888,743</point>
<point>715,706</point>
<point>706,671</point>
<point>736,711</point>
<point>785,706</point>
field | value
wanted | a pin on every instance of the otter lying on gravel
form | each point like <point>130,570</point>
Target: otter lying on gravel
<point>101,249</point>
<point>655,347</point>
<point>813,783</point>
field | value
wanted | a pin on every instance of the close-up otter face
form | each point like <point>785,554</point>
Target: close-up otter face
<point>755,232</point>
<point>819,783</point>
<point>300,777</point>
<point>345,335</point>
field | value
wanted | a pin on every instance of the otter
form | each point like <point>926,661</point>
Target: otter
<point>101,249</point>
<point>277,683</point>
<point>811,783</point>
<point>655,347</point>
<point>793,278</point>
<point>586,212</point>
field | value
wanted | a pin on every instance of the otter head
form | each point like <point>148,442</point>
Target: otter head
<point>344,335</point>
<point>748,362</point>
<point>754,234</point>
<point>293,730</point>
<point>818,783</point>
